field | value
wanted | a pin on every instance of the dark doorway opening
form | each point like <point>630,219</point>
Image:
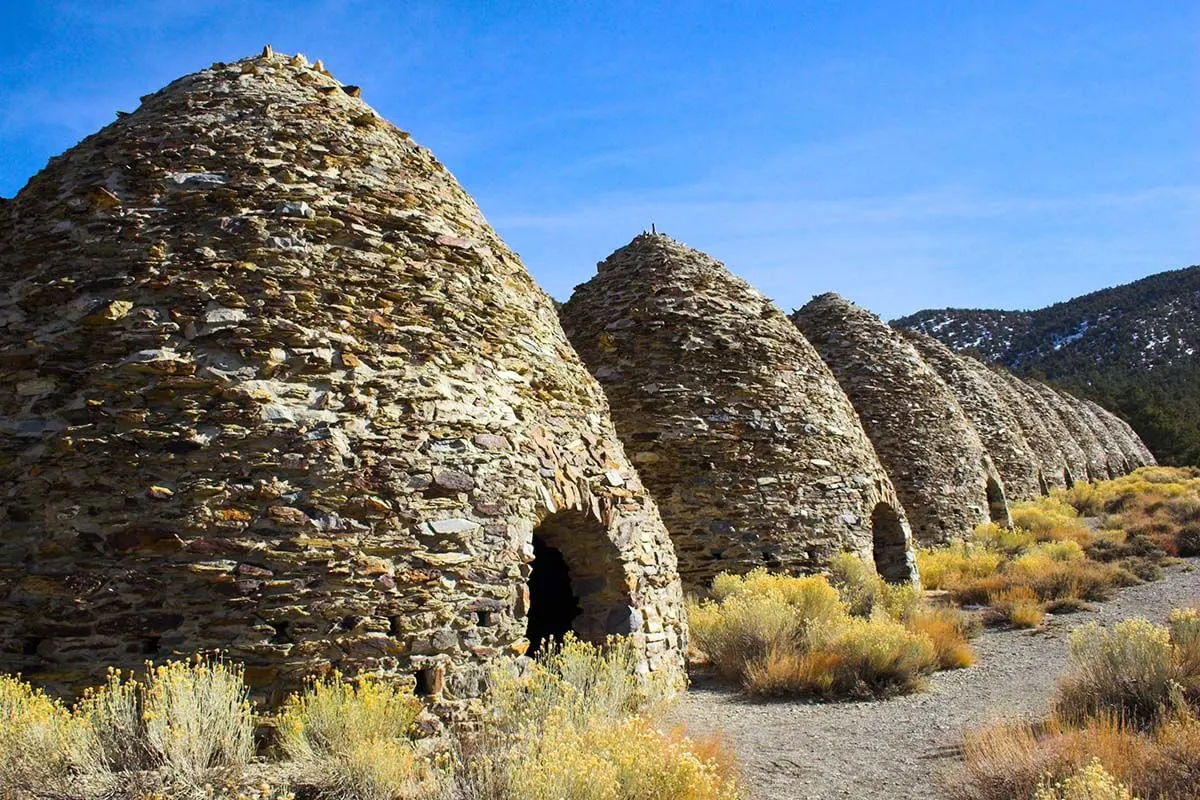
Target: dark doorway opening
<point>577,583</point>
<point>1042,484</point>
<point>553,605</point>
<point>997,503</point>
<point>1068,478</point>
<point>893,561</point>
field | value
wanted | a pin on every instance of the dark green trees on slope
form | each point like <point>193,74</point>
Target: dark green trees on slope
<point>1135,349</point>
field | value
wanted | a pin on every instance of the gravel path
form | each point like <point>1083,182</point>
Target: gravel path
<point>895,749</point>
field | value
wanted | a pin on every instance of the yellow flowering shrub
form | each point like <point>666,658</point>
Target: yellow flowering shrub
<point>196,716</point>
<point>1090,783</point>
<point>41,743</point>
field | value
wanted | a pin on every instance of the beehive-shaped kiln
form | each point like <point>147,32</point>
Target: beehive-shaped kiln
<point>1045,448</point>
<point>270,385</point>
<point>1117,462</point>
<point>753,453</point>
<point>945,479</point>
<point>1094,460</point>
<point>994,419</point>
<point>1122,435</point>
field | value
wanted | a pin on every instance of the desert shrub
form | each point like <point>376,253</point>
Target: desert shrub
<point>333,714</point>
<point>1017,605</point>
<point>196,716</point>
<point>853,658</point>
<point>41,742</point>
<point>353,740</point>
<point>864,592</point>
<point>113,713</point>
<point>1002,539</point>
<point>1158,506</point>
<point>1129,671</point>
<point>580,724</point>
<point>953,565</point>
<point>743,629</point>
<point>950,632</point>
<point>382,769</point>
<point>781,635</point>
<point>1013,760</point>
<point>1090,783</point>
<point>1048,518</point>
<point>629,760</point>
<point>578,679</point>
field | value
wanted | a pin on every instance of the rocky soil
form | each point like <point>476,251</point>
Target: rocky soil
<point>904,747</point>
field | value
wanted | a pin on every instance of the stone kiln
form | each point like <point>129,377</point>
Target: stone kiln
<point>1116,460</point>
<point>1042,443</point>
<point>1094,458</point>
<point>946,481</point>
<point>270,385</point>
<point>752,451</point>
<point>1130,443</point>
<point>1070,453</point>
<point>994,419</point>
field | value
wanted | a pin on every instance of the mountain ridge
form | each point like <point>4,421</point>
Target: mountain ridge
<point>1132,348</point>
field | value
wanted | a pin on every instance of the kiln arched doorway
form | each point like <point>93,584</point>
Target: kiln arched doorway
<point>893,562</point>
<point>1043,486</point>
<point>576,583</point>
<point>997,503</point>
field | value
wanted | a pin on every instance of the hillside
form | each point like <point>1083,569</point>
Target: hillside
<point>1131,348</point>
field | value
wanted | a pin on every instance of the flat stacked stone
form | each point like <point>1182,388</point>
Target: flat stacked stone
<point>1143,456</point>
<point>1070,454</point>
<point>750,448</point>
<point>946,481</point>
<point>271,386</point>
<point>1094,458</point>
<point>1117,460</point>
<point>1042,443</point>
<point>994,418</point>
<point>1122,435</point>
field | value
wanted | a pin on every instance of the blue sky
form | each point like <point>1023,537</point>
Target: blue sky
<point>905,154</point>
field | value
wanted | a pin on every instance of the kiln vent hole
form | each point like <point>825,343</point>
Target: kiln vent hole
<point>997,504</point>
<point>889,546</point>
<point>576,583</point>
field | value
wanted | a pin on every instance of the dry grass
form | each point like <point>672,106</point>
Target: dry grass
<point>1063,562</point>
<point>1157,507</point>
<point>1125,723</point>
<point>580,722</point>
<point>848,635</point>
<point>41,743</point>
<point>354,740</point>
<point>1017,605</point>
<point>950,632</point>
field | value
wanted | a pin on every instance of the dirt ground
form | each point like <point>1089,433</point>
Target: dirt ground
<point>902,748</point>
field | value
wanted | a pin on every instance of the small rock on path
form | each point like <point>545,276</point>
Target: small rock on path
<point>898,749</point>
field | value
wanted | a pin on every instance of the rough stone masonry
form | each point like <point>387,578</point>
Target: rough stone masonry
<point>271,386</point>
<point>994,420</point>
<point>751,449</point>
<point>945,478</point>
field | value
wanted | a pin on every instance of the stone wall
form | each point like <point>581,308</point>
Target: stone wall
<point>945,479</point>
<point>270,385</point>
<point>1070,453</point>
<point>1094,458</point>
<point>1118,463</point>
<point>1042,443</point>
<point>994,419</point>
<point>748,444</point>
<point>1121,435</point>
